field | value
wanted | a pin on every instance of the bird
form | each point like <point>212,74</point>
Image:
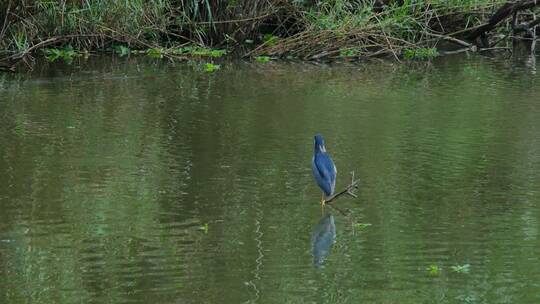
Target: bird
<point>324,170</point>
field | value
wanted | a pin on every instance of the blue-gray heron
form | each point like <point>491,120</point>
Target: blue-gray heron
<point>324,169</point>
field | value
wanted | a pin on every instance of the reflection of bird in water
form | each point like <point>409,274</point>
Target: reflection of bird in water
<point>323,169</point>
<point>322,239</point>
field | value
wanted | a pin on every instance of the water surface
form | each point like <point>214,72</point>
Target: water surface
<point>131,181</point>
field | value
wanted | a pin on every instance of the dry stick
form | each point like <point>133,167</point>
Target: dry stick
<point>4,27</point>
<point>348,190</point>
<point>463,50</point>
<point>533,30</point>
<point>344,213</point>
<point>494,49</point>
<point>496,42</point>
<point>468,46</point>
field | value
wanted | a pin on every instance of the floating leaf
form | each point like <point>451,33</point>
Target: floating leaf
<point>204,228</point>
<point>361,225</point>
<point>461,268</point>
<point>433,269</point>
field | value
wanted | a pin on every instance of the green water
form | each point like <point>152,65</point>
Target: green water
<point>131,181</point>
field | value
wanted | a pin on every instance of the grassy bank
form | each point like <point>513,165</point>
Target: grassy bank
<point>306,29</point>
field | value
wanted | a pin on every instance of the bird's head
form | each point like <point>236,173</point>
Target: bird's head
<point>319,143</point>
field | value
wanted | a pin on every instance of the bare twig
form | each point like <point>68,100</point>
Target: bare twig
<point>4,26</point>
<point>454,40</point>
<point>349,190</point>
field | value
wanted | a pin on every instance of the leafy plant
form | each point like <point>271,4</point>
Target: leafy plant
<point>66,53</point>
<point>210,67</point>
<point>262,58</point>
<point>21,41</point>
<point>270,39</point>
<point>122,50</point>
<point>348,53</point>
<point>155,53</point>
<point>212,53</point>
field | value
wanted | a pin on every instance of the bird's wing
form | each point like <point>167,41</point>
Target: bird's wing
<point>326,167</point>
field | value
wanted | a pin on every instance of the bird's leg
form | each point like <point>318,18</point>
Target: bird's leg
<point>322,203</point>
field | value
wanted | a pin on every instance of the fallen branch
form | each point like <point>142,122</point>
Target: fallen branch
<point>470,46</point>
<point>502,13</point>
<point>349,190</point>
<point>7,68</point>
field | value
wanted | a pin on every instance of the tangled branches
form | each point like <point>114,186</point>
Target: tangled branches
<point>395,29</point>
<point>308,30</point>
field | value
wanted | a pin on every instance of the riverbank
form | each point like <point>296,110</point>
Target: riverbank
<point>328,30</point>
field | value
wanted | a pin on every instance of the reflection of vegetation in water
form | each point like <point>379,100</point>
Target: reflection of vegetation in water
<point>465,268</point>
